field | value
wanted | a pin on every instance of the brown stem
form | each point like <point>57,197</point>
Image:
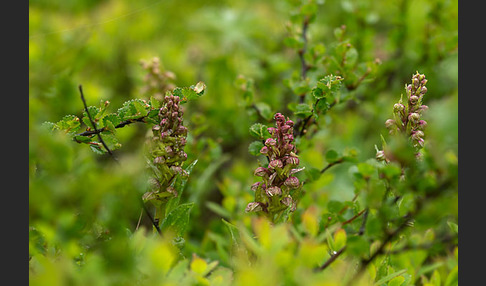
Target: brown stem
<point>93,123</point>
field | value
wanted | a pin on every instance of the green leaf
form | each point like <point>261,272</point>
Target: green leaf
<point>454,227</point>
<point>452,278</point>
<point>293,42</point>
<point>332,156</point>
<point>190,93</point>
<point>154,103</point>
<point>340,239</point>
<point>312,173</point>
<point>178,271</point>
<point>259,131</point>
<point>265,110</point>
<point>358,246</point>
<point>390,277</point>
<point>255,147</point>
<point>98,149</point>
<point>180,184</point>
<point>178,219</point>
<point>82,139</point>
<point>234,232</point>
<point>397,281</point>
<point>334,206</point>
<point>218,209</point>
<point>69,124</point>
<point>303,110</point>
<point>330,84</point>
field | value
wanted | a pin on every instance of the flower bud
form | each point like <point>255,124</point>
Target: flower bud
<point>261,172</point>
<point>172,191</point>
<point>279,117</point>
<point>398,107</point>
<point>417,135</point>
<point>271,130</point>
<point>423,90</point>
<point>422,124</point>
<point>414,117</point>
<point>414,99</point>
<point>292,182</point>
<point>182,130</point>
<point>423,108</point>
<point>253,207</point>
<point>292,160</point>
<point>169,150</point>
<point>288,148</point>
<point>273,191</point>
<point>159,160</point>
<point>287,201</point>
<point>264,150</point>
<point>380,155</point>
<point>255,186</point>
<point>390,123</point>
<point>275,164</point>
<point>183,156</point>
<point>270,142</point>
<point>285,128</point>
<point>290,123</point>
<point>176,169</point>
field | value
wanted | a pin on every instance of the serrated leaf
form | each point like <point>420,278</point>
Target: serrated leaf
<point>330,85</point>
<point>303,110</point>
<point>140,107</point>
<point>97,149</point>
<point>69,124</point>
<point>178,219</point>
<point>259,131</point>
<point>154,103</point>
<point>255,147</point>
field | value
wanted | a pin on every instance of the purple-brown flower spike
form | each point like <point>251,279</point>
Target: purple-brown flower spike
<point>275,193</point>
<point>407,118</point>
<point>167,152</point>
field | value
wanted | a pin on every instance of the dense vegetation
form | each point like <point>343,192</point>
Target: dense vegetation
<point>243,142</point>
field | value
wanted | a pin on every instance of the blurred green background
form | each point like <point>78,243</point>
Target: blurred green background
<point>78,199</point>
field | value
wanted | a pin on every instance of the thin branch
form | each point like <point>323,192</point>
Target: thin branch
<point>156,225</point>
<point>423,246</point>
<point>332,164</point>
<point>331,260</point>
<point>120,125</point>
<point>363,224</point>
<point>419,202</point>
<point>93,123</point>
<point>353,218</point>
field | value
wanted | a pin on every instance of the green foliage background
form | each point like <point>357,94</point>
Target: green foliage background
<point>83,208</point>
